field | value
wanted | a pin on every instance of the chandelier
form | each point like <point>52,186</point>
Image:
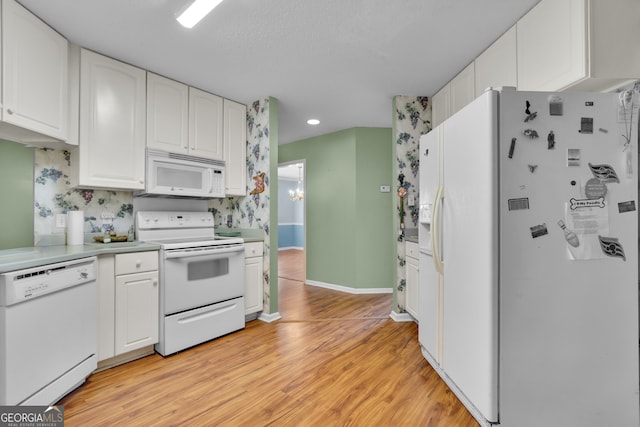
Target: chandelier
<point>298,193</point>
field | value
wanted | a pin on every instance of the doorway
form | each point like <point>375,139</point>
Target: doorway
<point>291,221</point>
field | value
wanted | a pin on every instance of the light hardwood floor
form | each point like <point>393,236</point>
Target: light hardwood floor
<point>335,359</point>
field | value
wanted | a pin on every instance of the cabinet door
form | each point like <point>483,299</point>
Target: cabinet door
<point>552,45</point>
<point>235,148</point>
<point>136,315</point>
<point>253,285</point>
<point>411,290</point>
<point>205,124</point>
<point>167,114</point>
<point>463,88</point>
<point>34,73</point>
<point>497,66</point>
<point>112,123</point>
<point>441,106</point>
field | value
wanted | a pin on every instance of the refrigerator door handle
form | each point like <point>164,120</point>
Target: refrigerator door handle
<point>435,233</point>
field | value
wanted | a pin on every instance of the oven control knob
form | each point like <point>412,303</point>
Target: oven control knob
<point>156,219</point>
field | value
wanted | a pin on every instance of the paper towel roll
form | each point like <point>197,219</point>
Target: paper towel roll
<point>75,228</point>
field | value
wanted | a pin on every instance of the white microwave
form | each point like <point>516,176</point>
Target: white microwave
<point>181,175</point>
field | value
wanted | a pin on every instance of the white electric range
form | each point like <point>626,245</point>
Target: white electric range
<point>201,278</point>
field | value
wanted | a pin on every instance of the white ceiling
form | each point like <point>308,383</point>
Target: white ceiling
<point>340,61</point>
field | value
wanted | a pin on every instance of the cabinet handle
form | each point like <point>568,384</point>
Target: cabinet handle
<point>142,181</point>
<point>9,110</point>
<point>138,264</point>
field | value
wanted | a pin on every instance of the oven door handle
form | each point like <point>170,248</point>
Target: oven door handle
<point>182,253</point>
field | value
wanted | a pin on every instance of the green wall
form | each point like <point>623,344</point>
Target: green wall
<point>347,218</point>
<point>16,193</point>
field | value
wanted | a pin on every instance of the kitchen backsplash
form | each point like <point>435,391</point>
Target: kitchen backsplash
<point>54,195</point>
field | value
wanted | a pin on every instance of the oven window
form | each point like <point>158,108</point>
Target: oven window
<point>202,270</point>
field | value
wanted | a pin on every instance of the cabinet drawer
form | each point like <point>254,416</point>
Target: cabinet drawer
<point>412,250</point>
<point>136,262</point>
<point>253,249</point>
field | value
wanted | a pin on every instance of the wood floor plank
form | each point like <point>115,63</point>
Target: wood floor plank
<point>334,359</point>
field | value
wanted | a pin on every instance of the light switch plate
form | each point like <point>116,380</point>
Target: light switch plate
<point>61,220</point>
<point>411,200</point>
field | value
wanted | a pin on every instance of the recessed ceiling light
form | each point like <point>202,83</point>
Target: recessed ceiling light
<point>198,10</point>
<point>313,122</point>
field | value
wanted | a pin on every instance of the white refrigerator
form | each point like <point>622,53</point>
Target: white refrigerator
<point>528,242</point>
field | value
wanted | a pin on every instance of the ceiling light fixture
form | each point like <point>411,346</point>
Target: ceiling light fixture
<point>198,10</point>
<point>313,122</point>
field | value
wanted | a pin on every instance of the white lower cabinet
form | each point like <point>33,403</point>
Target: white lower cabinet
<point>253,268</point>
<point>127,302</point>
<point>412,278</point>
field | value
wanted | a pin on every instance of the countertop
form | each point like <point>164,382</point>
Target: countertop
<point>247,234</point>
<point>21,258</point>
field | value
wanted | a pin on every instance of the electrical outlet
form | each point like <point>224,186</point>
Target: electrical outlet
<point>61,220</point>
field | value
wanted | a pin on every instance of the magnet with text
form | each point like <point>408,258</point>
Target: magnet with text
<point>518,204</point>
<point>532,134</point>
<point>629,206</point>
<point>532,168</point>
<point>586,203</point>
<point>594,189</point>
<point>573,157</point>
<point>586,125</point>
<point>604,173</point>
<point>539,230</point>
<point>612,247</point>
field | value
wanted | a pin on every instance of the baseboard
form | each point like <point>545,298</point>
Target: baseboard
<point>297,248</point>
<point>401,317</point>
<point>269,317</point>
<point>125,358</point>
<point>349,290</point>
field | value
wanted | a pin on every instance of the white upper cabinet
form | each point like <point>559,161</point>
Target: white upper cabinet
<point>34,79</point>
<point>167,114</point>
<point>497,66</point>
<point>235,148</point>
<point>463,88</point>
<point>552,45</point>
<point>205,124</point>
<point>588,45</point>
<point>441,106</point>
<point>112,124</point>
<point>453,96</point>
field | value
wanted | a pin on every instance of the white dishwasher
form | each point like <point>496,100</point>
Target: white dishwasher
<point>47,331</point>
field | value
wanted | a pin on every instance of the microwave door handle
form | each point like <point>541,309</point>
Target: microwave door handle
<point>210,180</point>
